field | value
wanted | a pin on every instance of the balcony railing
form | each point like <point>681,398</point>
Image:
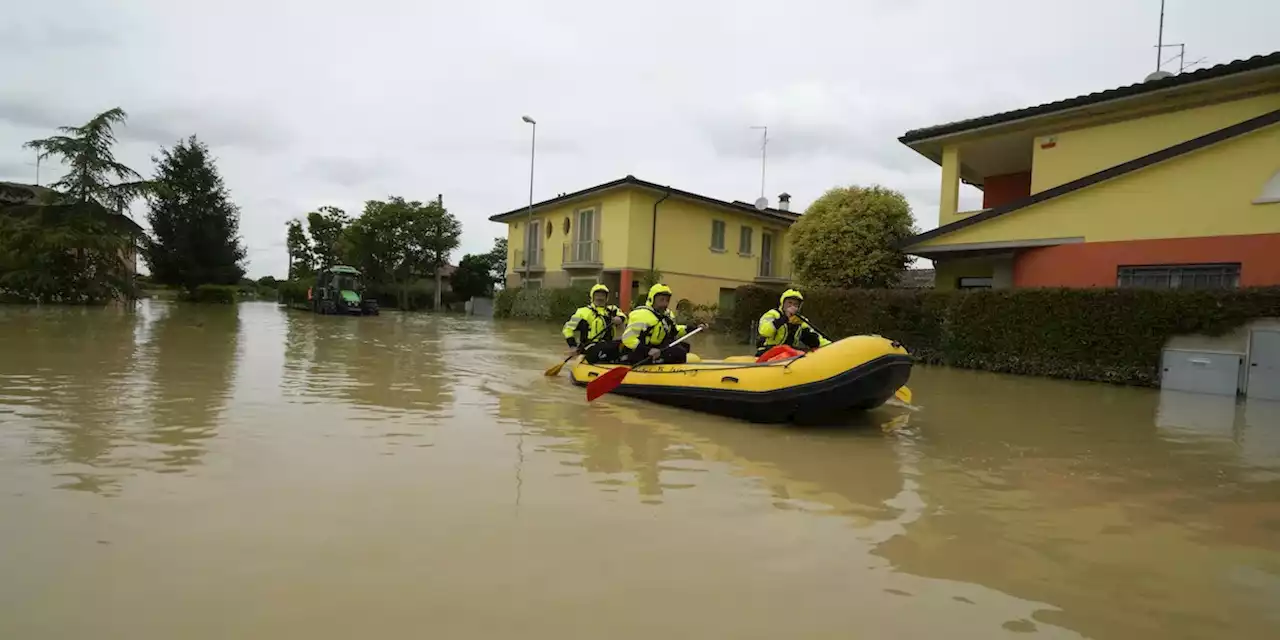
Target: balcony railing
<point>581,254</point>
<point>536,264</point>
<point>772,271</point>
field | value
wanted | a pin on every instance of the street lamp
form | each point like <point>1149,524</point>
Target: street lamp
<point>528,232</point>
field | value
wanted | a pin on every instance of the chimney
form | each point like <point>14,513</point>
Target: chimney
<point>784,201</point>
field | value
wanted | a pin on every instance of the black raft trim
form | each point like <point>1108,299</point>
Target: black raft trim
<point>865,386</point>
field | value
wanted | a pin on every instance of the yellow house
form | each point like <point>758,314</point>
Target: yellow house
<point>615,232</point>
<point>1173,182</point>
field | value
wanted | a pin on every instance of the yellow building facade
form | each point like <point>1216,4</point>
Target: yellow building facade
<point>616,232</point>
<point>1173,182</point>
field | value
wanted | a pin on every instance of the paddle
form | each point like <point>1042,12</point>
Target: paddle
<point>613,377</point>
<point>555,371</point>
<point>903,393</point>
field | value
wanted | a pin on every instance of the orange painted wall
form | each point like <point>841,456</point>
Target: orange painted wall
<point>998,190</point>
<point>1093,264</point>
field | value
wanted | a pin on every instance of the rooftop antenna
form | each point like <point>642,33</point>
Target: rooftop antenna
<point>1160,39</point>
<point>764,142</point>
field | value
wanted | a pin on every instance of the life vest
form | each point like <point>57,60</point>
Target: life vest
<point>770,333</point>
<point>650,327</point>
<point>591,324</point>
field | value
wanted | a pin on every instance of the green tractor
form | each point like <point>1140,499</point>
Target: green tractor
<point>339,290</point>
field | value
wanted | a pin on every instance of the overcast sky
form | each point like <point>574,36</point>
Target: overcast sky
<point>307,103</point>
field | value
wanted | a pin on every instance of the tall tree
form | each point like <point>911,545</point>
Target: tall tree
<point>301,259</point>
<point>498,261</point>
<point>70,244</point>
<point>443,232</point>
<point>195,225</point>
<point>473,278</point>
<point>94,174</point>
<point>851,237</point>
<point>326,226</point>
<point>398,241</point>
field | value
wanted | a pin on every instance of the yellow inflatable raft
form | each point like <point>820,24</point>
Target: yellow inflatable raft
<point>853,374</point>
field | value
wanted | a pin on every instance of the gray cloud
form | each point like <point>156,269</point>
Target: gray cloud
<point>17,170</point>
<point>162,125</point>
<point>17,37</point>
<point>217,126</point>
<point>346,172</point>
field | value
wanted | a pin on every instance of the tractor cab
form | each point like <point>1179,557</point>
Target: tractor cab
<point>340,290</point>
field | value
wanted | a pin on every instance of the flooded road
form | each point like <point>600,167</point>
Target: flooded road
<point>250,472</point>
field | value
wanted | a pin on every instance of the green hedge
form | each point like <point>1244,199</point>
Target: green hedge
<point>293,291</point>
<point>213,293</point>
<point>1112,335</point>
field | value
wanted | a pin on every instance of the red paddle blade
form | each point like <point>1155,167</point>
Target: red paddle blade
<point>606,383</point>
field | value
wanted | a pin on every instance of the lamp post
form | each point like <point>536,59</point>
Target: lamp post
<point>528,231</point>
<point>764,142</point>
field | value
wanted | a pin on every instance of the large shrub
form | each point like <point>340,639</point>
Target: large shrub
<point>1114,335</point>
<point>540,304</point>
<point>213,293</point>
<point>851,237</point>
<point>293,291</point>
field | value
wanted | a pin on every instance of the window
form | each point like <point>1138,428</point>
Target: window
<point>974,283</point>
<point>586,225</point>
<point>717,235</point>
<point>582,282</point>
<point>1188,276</point>
<point>744,242</point>
<point>533,284</point>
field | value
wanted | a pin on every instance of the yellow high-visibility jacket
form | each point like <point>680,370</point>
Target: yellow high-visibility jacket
<point>652,328</point>
<point>774,329</point>
<point>590,324</point>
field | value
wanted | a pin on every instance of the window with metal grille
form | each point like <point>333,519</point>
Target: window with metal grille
<point>1179,276</point>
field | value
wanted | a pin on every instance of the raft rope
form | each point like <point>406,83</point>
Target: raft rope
<point>645,369</point>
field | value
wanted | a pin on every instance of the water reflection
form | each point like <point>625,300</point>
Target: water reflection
<point>68,387</point>
<point>193,354</point>
<point>1246,430</point>
<point>1085,496</point>
<point>391,363</point>
<point>851,472</point>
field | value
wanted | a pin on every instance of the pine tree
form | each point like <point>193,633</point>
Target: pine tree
<point>194,224</point>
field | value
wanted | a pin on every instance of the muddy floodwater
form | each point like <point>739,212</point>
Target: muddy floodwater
<point>251,472</point>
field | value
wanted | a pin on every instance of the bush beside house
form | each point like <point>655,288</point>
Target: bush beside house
<point>1110,335</point>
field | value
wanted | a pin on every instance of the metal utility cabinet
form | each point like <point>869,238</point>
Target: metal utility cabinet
<point>1263,372</point>
<point>1199,371</point>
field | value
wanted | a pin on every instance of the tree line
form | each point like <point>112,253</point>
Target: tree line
<point>395,243</point>
<point>73,242</point>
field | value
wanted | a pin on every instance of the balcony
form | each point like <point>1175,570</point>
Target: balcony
<point>538,263</point>
<point>772,271</point>
<point>581,255</point>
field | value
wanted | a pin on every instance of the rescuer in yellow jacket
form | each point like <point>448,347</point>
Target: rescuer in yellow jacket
<point>590,330</point>
<point>652,328</point>
<point>785,325</point>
